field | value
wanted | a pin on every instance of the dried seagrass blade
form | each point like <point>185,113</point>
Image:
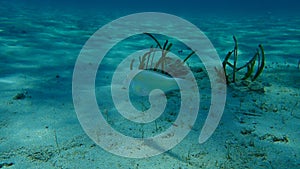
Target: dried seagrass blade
<point>143,59</point>
<point>159,62</point>
<point>149,55</point>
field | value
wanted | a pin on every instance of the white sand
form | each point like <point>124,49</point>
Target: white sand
<point>257,130</point>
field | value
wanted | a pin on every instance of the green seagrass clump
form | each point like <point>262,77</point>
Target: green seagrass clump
<point>252,73</point>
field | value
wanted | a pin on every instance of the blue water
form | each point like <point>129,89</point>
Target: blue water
<point>195,7</point>
<point>41,40</point>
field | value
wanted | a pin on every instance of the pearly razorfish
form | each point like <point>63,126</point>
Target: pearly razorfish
<point>147,80</point>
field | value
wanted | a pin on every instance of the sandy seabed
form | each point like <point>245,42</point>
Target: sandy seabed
<point>38,123</point>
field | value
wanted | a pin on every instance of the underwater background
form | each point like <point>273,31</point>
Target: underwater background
<point>41,40</point>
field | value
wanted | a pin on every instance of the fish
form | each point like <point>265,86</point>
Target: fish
<point>147,80</point>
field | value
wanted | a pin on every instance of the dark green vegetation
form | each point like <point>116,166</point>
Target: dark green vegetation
<point>259,58</point>
<point>146,61</point>
<point>253,68</point>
